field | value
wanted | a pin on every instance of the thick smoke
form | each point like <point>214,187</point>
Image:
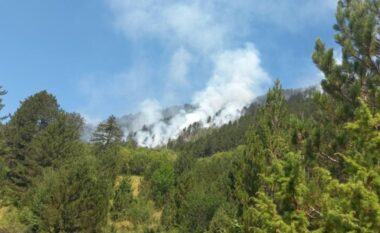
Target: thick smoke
<point>237,79</point>
<point>194,31</point>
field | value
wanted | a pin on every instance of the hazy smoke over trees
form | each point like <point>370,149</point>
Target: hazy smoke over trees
<point>237,79</point>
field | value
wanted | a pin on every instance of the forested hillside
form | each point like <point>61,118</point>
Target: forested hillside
<point>307,162</point>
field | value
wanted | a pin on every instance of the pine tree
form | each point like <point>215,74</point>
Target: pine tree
<point>74,198</point>
<point>292,190</point>
<point>358,32</point>
<point>59,141</point>
<point>3,149</point>
<point>249,168</point>
<point>107,141</point>
<point>34,115</point>
<point>272,121</point>
<point>353,181</point>
<point>365,136</point>
<point>263,217</point>
<point>347,207</point>
<point>108,132</point>
<point>265,143</point>
<point>2,92</point>
<point>222,223</point>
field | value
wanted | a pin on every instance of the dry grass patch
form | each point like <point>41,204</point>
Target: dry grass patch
<point>136,185</point>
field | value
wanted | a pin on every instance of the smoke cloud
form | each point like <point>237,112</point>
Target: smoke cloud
<point>237,79</point>
<point>193,32</point>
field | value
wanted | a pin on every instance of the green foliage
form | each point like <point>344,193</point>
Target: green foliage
<point>351,207</point>
<point>140,211</point>
<point>144,162</point>
<point>206,142</point>
<point>265,145</point>
<point>107,141</point>
<point>359,74</point>
<point>222,222</point>
<point>9,220</point>
<point>58,141</point>
<point>74,198</point>
<point>123,199</point>
<point>3,168</point>
<point>162,182</point>
<point>108,132</point>
<point>2,92</point>
<point>200,192</point>
<point>200,142</point>
<point>184,162</point>
<point>366,136</point>
<point>111,161</point>
<point>293,183</point>
<point>2,175</point>
<point>263,217</point>
<point>303,161</point>
<point>39,135</point>
<point>198,210</point>
<point>33,116</point>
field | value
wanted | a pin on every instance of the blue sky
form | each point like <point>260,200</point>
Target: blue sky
<point>102,57</point>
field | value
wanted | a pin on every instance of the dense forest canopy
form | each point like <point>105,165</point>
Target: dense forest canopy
<point>304,162</point>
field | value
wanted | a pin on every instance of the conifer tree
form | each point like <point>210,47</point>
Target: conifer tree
<point>365,136</point>
<point>358,75</point>
<point>222,223</point>
<point>108,132</point>
<point>34,115</point>
<point>107,141</point>
<point>74,198</point>
<point>2,92</point>
<point>263,217</point>
<point>59,141</point>
<point>249,170</point>
<point>4,149</point>
<point>271,122</point>
<point>352,86</point>
<point>265,143</point>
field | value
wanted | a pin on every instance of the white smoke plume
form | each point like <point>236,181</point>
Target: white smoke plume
<point>237,79</point>
<point>194,31</point>
<point>183,38</point>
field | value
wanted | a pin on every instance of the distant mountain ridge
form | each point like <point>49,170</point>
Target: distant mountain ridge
<point>135,127</point>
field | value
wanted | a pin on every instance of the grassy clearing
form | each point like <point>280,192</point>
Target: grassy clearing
<point>9,220</point>
<point>136,184</point>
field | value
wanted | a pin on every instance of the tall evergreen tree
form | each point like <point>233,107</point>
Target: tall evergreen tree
<point>34,115</point>
<point>263,217</point>
<point>272,121</point>
<point>358,75</point>
<point>2,92</point>
<point>59,141</point>
<point>74,198</point>
<point>3,147</point>
<point>108,132</point>
<point>265,143</point>
<point>107,141</point>
<point>352,182</point>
